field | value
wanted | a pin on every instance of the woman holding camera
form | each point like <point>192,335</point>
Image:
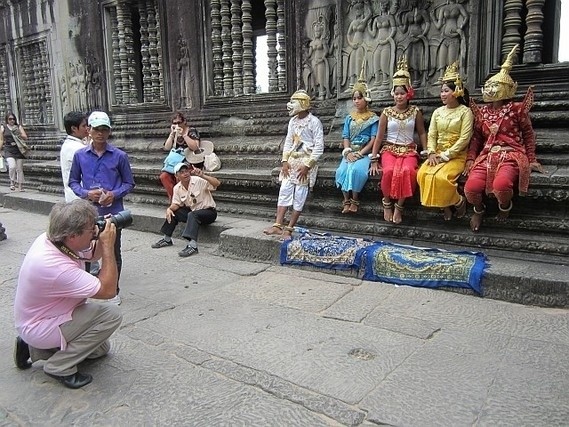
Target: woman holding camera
<point>180,138</point>
<point>9,132</point>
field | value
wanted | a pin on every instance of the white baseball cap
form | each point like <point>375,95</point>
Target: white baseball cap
<point>99,118</point>
<point>180,166</point>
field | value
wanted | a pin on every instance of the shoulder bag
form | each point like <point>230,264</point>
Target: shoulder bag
<point>22,146</point>
<point>175,156</point>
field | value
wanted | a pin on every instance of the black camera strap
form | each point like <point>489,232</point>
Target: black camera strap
<point>72,254</point>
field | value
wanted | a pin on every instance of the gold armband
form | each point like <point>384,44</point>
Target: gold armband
<point>286,155</point>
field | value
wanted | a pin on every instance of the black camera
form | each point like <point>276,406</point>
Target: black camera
<point>121,220</point>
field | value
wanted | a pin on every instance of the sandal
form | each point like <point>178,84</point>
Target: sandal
<point>346,206</point>
<point>460,207</point>
<point>354,204</point>
<point>399,211</point>
<point>387,210</point>
<point>476,219</point>
<point>274,229</point>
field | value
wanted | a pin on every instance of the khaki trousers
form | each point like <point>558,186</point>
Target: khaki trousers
<point>87,335</point>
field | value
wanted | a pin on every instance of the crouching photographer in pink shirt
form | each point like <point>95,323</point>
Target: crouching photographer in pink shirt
<point>54,321</point>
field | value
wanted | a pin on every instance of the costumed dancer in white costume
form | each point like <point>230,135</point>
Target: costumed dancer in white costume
<point>304,144</point>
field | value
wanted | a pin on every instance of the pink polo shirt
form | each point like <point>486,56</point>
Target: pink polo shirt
<point>50,286</point>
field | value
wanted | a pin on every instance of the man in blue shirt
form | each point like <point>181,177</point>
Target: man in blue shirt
<point>101,173</point>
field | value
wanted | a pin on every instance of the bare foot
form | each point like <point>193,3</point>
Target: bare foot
<point>504,213</point>
<point>346,206</point>
<point>275,229</point>
<point>476,221</point>
<point>287,233</point>
<point>447,213</point>
<point>387,210</point>
<point>398,214</point>
<point>388,214</point>
<point>461,207</point>
<point>354,205</point>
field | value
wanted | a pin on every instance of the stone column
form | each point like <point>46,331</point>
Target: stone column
<point>533,40</point>
<point>512,26</point>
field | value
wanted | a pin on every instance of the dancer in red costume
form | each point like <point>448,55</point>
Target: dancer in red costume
<point>502,149</point>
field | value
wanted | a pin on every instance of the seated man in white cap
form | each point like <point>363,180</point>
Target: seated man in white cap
<point>192,203</point>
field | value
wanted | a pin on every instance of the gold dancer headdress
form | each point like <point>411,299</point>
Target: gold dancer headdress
<point>361,85</point>
<point>403,78</point>
<point>451,75</point>
<point>501,86</point>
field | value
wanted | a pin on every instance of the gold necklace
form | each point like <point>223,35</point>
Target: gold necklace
<point>403,115</point>
<point>361,117</point>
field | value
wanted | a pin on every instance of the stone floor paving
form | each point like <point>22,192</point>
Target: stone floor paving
<point>213,341</point>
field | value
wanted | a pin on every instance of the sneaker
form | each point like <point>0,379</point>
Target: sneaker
<point>188,251</point>
<point>161,244</point>
<point>114,300</point>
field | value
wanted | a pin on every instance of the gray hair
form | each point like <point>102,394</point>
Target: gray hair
<point>70,219</point>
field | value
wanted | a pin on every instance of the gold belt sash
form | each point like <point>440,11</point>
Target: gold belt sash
<point>399,150</point>
<point>498,148</point>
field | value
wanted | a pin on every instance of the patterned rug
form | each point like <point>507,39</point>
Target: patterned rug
<point>387,262</point>
<point>431,268</point>
<point>324,251</point>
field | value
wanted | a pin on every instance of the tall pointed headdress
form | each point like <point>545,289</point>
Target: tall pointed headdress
<point>501,86</point>
<point>361,85</point>
<point>403,78</point>
<point>451,75</point>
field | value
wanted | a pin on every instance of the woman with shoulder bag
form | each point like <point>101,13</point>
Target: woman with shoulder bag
<point>181,137</point>
<point>12,137</point>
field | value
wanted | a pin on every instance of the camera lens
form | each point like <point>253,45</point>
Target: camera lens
<point>122,219</point>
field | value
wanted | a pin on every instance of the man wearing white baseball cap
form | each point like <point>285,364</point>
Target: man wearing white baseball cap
<point>192,203</point>
<point>101,173</point>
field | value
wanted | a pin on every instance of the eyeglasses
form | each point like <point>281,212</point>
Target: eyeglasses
<point>177,123</point>
<point>92,229</point>
<point>194,201</point>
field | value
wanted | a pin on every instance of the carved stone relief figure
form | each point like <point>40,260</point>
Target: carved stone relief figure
<point>415,27</point>
<point>318,51</point>
<point>335,56</point>
<point>451,20</point>
<point>183,64</point>
<point>63,93</point>
<point>355,51</point>
<point>77,87</point>
<point>383,28</point>
<point>94,78</point>
<point>82,84</point>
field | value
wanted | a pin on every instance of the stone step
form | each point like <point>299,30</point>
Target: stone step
<point>523,280</point>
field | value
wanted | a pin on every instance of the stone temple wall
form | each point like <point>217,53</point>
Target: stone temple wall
<point>140,58</point>
<point>231,65</point>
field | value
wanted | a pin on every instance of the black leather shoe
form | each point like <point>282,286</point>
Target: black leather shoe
<point>77,380</point>
<point>22,354</point>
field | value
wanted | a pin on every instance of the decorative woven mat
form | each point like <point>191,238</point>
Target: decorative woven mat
<point>387,262</point>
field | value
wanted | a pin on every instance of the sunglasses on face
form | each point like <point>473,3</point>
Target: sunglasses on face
<point>177,123</point>
<point>11,118</point>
